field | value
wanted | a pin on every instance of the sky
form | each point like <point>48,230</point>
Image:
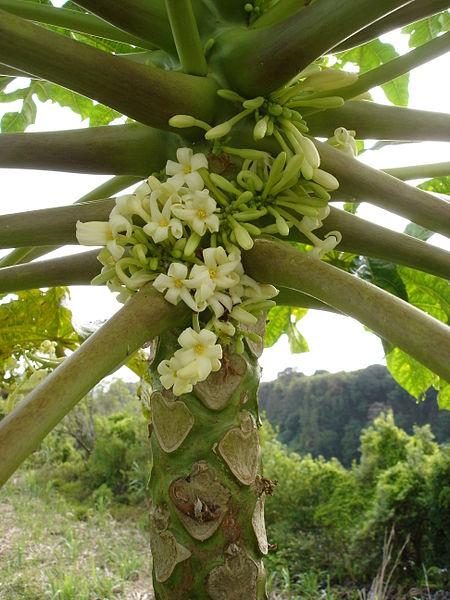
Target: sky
<point>336,343</point>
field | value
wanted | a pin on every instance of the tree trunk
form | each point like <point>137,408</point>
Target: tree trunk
<point>207,494</point>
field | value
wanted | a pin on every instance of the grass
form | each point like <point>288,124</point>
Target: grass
<point>53,550</point>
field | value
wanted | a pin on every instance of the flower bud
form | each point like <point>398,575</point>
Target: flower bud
<point>218,131</point>
<point>260,128</point>
<point>328,181</point>
<point>230,95</point>
<point>254,103</point>
<point>329,79</point>
<point>243,238</point>
<point>311,153</point>
<point>182,121</point>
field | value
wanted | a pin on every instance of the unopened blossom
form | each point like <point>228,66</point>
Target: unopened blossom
<point>198,210</point>
<point>199,354</point>
<point>177,286</point>
<point>185,171</point>
<point>120,224</point>
<point>257,291</point>
<point>162,223</point>
<point>98,233</point>
<point>167,370</point>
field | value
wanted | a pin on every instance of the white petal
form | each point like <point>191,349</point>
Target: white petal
<point>184,155</point>
<point>188,338</point>
<point>199,161</point>
<point>93,233</point>
<point>178,271</point>
<point>172,168</point>
<point>194,181</point>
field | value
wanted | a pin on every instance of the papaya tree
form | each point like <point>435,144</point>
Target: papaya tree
<point>231,226</point>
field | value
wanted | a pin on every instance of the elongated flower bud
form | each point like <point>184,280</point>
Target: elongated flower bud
<point>218,131</point>
<point>311,153</point>
<point>243,238</point>
<point>328,181</point>
<point>329,79</point>
<point>260,128</point>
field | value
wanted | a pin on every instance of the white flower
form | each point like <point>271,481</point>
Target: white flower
<point>177,286</point>
<point>98,233</point>
<point>160,224</point>
<point>198,212</point>
<point>218,301</point>
<point>130,205</point>
<point>199,354</point>
<point>218,271</point>
<point>167,370</point>
<point>257,291</point>
<point>120,224</point>
<point>185,170</point>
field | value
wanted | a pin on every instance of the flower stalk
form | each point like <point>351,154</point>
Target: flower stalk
<point>186,36</point>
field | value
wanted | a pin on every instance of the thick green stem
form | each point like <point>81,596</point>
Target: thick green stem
<point>207,495</point>
<point>371,185</point>
<point>143,317</point>
<point>142,18</point>
<point>289,297</point>
<point>367,239</point>
<point>423,337</point>
<point>420,171</point>
<point>157,94</point>
<point>187,39</point>
<point>107,189</point>
<point>414,11</point>
<point>380,122</point>
<point>71,19</point>
<point>50,226</point>
<point>394,68</point>
<point>259,61</point>
<point>130,149</point>
<point>77,269</point>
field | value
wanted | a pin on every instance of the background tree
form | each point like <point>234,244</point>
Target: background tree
<point>257,79</point>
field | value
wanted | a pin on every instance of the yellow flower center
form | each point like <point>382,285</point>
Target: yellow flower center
<point>213,273</point>
<point>187,169</point>
<point>163,223</point>
<point>178,283</point>
<point>199,349</point>
<point>201,214</point>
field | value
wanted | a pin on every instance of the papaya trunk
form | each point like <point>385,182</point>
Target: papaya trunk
<point>207,493</point>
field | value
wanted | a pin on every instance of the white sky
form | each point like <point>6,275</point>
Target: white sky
<point>336,342</point>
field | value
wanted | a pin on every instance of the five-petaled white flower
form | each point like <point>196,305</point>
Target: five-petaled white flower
<point>99,233</point>
<point>199,354</point>
<point>185,171</point>
<point>161,222</point>
<point>220,270</point>
<point>167,370</point>
<point>177,286</point>
<point>198,210</point>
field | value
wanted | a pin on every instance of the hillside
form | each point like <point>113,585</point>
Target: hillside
<point>324,414</point>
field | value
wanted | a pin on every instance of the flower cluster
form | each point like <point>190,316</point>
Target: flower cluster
<point>184,231</point>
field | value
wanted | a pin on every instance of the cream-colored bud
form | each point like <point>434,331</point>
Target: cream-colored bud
<point>218,131</point>
<point>326,180</point>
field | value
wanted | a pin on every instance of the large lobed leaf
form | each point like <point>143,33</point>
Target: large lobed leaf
<point>425,30</point>
<point>432,295</point>
<point>370,56</point>
<point>283,320</point>
<point>32,317</point>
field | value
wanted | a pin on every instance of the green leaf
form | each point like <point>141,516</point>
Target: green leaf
<point>370,56</point>
<point>32,317</point>
<point>283,320</point>
<point>410,374</point>
<point>432,295</point>
<point>425,30</point>
<point>20,120</point>
<point>383,274</point>
<point>418,232</point>
<point>97,114</point>
<point>429,293</point>
<point>439,185</point>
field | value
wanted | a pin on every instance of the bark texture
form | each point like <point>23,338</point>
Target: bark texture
<point>207,494</point>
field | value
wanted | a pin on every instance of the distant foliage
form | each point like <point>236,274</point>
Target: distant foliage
<point>325,414</point>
